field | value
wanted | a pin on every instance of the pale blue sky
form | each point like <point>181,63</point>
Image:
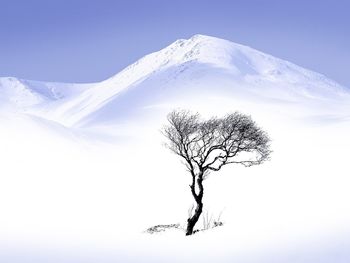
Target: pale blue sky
<point>85,41</point>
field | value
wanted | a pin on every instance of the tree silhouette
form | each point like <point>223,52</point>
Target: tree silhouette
<point>208,145</point>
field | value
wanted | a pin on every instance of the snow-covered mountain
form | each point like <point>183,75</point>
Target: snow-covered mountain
<point>186,73</point>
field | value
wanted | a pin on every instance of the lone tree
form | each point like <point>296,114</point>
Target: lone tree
<point>208,145</point>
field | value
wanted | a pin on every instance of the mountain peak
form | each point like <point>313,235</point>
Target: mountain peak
<point>201,38</point>
<point>203,48</point>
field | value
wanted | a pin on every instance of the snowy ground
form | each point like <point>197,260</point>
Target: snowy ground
<point>85,189</point>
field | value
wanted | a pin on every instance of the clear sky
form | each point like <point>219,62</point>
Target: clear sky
<point>90,40</point>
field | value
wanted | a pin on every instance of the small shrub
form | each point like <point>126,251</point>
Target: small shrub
<point>161,228</point>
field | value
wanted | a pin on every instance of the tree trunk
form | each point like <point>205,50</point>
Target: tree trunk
<point>191,222</point>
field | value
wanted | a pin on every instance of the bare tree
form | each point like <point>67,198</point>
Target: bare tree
<point>208,145</point>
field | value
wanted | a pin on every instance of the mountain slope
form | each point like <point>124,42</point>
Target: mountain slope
<point>25,94</point>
